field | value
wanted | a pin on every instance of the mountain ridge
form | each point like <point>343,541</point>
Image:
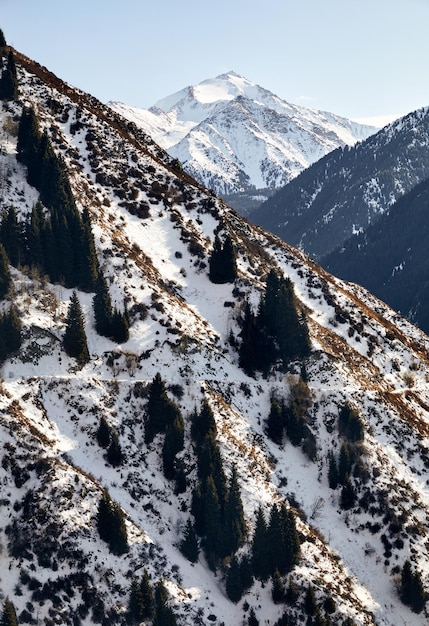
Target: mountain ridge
<point>154,229</point>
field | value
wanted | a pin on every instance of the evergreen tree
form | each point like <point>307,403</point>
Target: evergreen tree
<point>102,306</point>
<point>115,455</point>
<point>11,236</point>
<point>350,424</point>
<point>344,464</point>
<point>9,80</point>
<point>136,608</point>
<point>310,605</point>
<point>160,410</point>
<point>8,617</point>
<point>173,444</point>
<point>5,280</point>
<point>234,523</point>
<point>277,588</point>
<point>214,542</point>
<point>292,592</point>
<point>111,525</point>
<point>104,433</point>
<point>203,423</point>
<point>275,422</point>
<point>332,470</point>
<point>189,544</point>
<point>74,340</point>
<point>34,238</point>
<point>10,333</point>
<point>348,495</point>
<point>88,262</point>
<point>119,328</point>
<point>164,615</point>
<point>147,596</point>
<point>295,413</point>
<point>411,588</point>
<point>233,585</point>
<point>222,262</point>
<point>3,43</point>
<point>260,562</point>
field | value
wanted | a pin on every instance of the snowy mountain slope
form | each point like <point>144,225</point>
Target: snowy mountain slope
<point>154,229</point>
<point>347,190</point>
<point>235,136</point>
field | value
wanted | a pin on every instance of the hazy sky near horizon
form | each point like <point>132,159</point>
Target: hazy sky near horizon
<point>356,58</point>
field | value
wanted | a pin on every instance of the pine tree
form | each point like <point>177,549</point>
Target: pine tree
<point>11,236</point>
<point>164,615</point>
<point>344,464</point>
<point>233,586</point>
<point>275,423</point>
<point>102,306</point>
<point>411,588</point>
<point>136,608</point>
<point>74,340</point>
<point>104,433</point>
<point>277,588</point>
<point>310,605</point>
<point>222,262</point>
<point>147,596</point>
<point>118,328</point>
<point>3,43</point>
<point>260,562</point>
<point>173,444</point>
<point>88,263</point>
<point>5,280</point>
<point>115,455</point>
<point>111,525</point>
<point>332,470</point>
<point>10,333</point>
<point>160,410</point>
<point>34,242</point>
<point>8,617</point>
<point>9,80</point>
<point>213,541</point>
<point>203,423</point>
<point>234,523</point>
<point>189,544</point>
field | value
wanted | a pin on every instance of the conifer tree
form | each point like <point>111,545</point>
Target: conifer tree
<point>111,525</point>
<point>222,262</point>
<point>332,470</point>
<point>147,596</point>
<point>233,585</point>
<point>260,562</point>
<point>104,433</point>
<point>3,43</point>
<point>10,333</point>
<point>102,306</point>
<point>74,340</point>
<point>5,280</point>
<point>173,444</point>
<point>277,588</point>
<point>160,410</point>
<point>136,608</point>
<point>9,80</point>
<point>310,601</point>
<point>8,617</point>
<point>189,544</point>
<point>411,588</point>
<point>164,615</point>
<point>115,455</point>
<point>214,540</point>
<point>34,238</point>
<point>275,422</point>
<point>11,237</point>
<point>119,331</point>
<point>88,263</point>
<point>234,523</point>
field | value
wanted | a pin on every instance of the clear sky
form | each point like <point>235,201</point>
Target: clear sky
<point>356,58</point>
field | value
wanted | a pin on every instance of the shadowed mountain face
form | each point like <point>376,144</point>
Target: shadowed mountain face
<point>349,189</point>
<point>213,430</point>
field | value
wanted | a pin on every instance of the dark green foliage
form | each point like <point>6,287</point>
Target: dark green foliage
<point>4,272</point>
<point>119,327</point>
<point>102,306</point>
<point>88,269</point>
<point>10,333</point>
<point>11,236</point>
<point>277,588</point>
<point>296,412</point>
<point>233,517</point>
<point>141,601</point>
<point>115,455</point>
<point>164,615</point>
<point>2,41</point>
<point>9,80</point>
<point>350,424</point>
<point>173,443</point>
<point>348,495</point>
<point>332,470</point>
<point>160,410</point>
<point>277,332</point>
<point>233,585</point>
<point>203,423</point>
<point>104,433</point>
<point>222,262</point>
<point>411,589</point>
<point>344,464</point>
<point>74,340</point>
<point>8,617</point>
<point>189,544</point>
<point>292,592</point>
<point>310,605</point>
<point>260,559</point>
<point>275,422</point>
<point>111,525</point>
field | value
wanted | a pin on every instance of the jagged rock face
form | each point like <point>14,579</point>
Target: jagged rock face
<point>234,136</point>
<point>154,229</point>
<point>349,189</point>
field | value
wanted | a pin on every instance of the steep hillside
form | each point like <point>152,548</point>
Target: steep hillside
<point>237,138</point>
<point>349,189</point>
<point>390,257</point>
<point>347,470</point>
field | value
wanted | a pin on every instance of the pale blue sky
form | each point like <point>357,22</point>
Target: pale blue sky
<point>357,58</point>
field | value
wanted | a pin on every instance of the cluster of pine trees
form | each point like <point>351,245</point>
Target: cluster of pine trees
<point>146,603</point>
<point>291,417</point>
<point>111,525</point>
<point>216,502</point>
<point>222,261</point>
<point>10,333</point>
<point>276,332</point>
<point>8,77</point>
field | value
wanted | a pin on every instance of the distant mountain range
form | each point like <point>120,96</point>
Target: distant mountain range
<point>350,188</point>
<point>239,139</point>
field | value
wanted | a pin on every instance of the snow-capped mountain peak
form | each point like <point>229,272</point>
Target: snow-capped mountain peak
<point>261,144</point>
